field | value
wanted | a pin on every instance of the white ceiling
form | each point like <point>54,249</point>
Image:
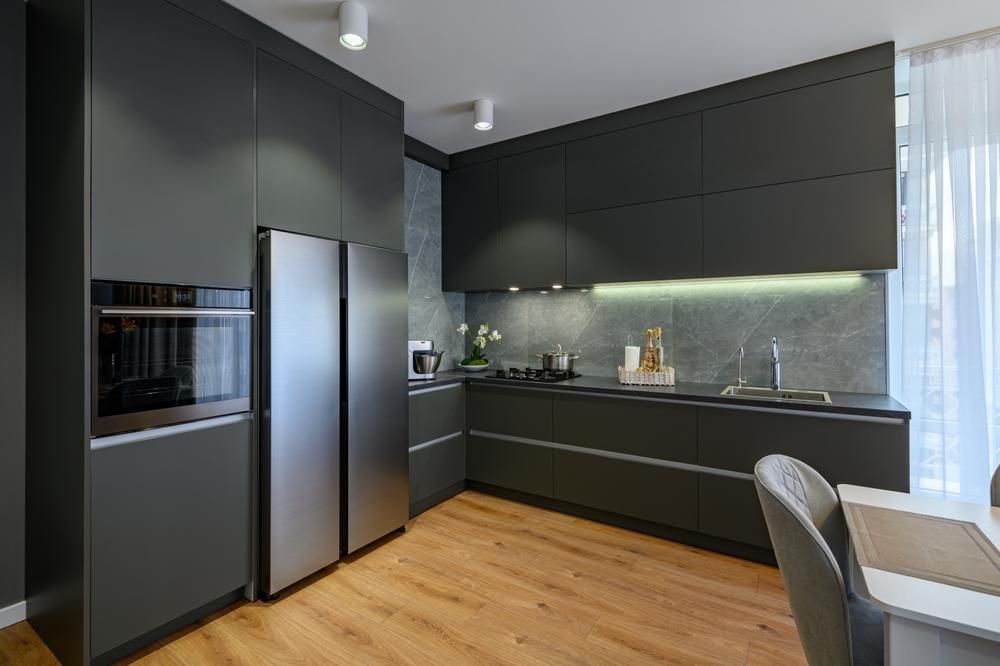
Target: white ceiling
<point>549,62</point>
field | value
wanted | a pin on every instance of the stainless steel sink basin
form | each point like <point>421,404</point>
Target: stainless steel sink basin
<point>797,395</point>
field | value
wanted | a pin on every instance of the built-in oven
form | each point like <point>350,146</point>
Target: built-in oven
<point>167,354</point>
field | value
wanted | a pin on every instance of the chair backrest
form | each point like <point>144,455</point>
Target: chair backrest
<point>806,524</point>
<point>995,487</point>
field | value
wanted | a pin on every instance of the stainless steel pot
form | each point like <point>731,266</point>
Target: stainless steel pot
<point>558,360</point>
<point>426,362</point>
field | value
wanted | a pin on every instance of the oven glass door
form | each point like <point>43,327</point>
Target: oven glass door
<point>158,366</point>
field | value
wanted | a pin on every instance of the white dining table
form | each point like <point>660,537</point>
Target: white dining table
<point>927,622</point>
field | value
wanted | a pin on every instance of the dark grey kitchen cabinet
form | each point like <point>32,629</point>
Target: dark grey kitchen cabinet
<point>729,508</point>
<point>372,175</point>
<point>532,203</point>
<point>510,464</point>
<point>437,444</point>
<point>866,452</point>
<point>648,428</point>
<point>659,160</point>
<point>436,413</point>
<point>172,147</point>
<point>652,241</point>
<point>654,493</point>
<point>510,411</point>
<point>842,223</point>
<point>298,150</point>
<point>470,229</point>
<point>832,128</point>
<point>170,528</point>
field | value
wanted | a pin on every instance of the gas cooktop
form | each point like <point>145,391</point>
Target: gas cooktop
<point>535,375</point>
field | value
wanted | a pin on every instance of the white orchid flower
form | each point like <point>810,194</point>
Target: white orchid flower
<point>483,329</point>
<point>463,329</point>
<point>480,341</point>
<point>495,336</point>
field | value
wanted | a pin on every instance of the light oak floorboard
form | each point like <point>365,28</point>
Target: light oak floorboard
<point>483,580</point>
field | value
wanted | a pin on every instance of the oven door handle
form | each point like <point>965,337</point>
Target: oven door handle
<point>176,312</point>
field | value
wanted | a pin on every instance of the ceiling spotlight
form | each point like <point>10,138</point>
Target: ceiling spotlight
<point>557,286</point>
<point>353,25</point>
<point>483,112</point>
<point>514,288</point>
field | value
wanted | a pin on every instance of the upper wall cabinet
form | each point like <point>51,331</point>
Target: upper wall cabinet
<point>372,168</point>
<point>827,129</point>
<point>533,218</point>
<point>843,223</point>
<point>298,150</point>
<point>470,229</point>
<point>660,160</point>
<point>172,147</point>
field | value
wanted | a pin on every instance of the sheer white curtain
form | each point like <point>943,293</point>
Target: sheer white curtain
<point>951,269</point>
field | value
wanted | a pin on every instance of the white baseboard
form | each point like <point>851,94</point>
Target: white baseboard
<point>12,614</point>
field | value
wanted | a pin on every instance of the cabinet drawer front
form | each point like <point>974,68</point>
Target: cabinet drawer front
<point>729,508</point>
<point>510,411</point>
<point>774,139</point>
<point>658,494</point>
<point>513,465</point>
<point>655,241</point>
<point>846,223</point>
<point>170,529</point>
<point>858,452</point>
<point>436,467</point>
<point>659,160</point>
<point>436,413</point>
<point>641,428</point>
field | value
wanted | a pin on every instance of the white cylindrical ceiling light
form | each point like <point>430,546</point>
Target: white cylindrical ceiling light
<point>483,112</point>
<point>353,25</point>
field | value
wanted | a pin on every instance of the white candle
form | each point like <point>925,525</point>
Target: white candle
<point>631,358</point>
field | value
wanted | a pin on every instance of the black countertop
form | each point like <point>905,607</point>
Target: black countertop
<point>442,378</point>
<point>858,404</point>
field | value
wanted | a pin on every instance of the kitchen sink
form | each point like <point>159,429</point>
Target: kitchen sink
<point>798,395</point>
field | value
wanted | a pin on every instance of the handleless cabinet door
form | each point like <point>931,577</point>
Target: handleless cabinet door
<point>170,528</point>
<point>828,129</point>
<point>172,152</point>
<point>660,160</point>
<point>298,150</point>
<point>533,219</point>
<point>372,168</point>
<point>470,258</point>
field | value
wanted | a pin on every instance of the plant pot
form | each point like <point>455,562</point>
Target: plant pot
<point>474,368</point>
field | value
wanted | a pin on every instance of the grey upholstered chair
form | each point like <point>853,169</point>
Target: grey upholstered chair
<point>806,524</point>
<point>995,487</point>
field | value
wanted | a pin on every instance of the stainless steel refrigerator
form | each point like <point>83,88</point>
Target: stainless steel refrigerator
<point>333,401</point>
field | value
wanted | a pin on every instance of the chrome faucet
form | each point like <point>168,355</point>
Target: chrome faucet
<point>775,366</point>
<point>740,379</point>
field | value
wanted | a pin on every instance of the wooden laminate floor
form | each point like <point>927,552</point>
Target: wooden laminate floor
<point>483,580</point>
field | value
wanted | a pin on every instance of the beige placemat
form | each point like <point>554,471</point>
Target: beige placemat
<point>953,552</point>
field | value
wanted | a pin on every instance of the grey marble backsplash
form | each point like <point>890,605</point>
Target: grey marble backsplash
<point>831,329</point>
<point>433,314</point>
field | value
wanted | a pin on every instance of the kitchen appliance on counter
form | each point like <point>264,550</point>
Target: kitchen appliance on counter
<point>334,403</point>
<point>558,360</point>
<point>424,361</point>
<point>539,375</point>
<point>167,354</point>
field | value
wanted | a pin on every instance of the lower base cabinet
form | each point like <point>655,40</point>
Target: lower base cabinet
<point>729,508</point>
<point>654,493</point>
<point>436,467</point>
<point>509,464</point>
<point>170,529</point>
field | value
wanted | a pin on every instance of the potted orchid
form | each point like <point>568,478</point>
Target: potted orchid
<point>477,362</point>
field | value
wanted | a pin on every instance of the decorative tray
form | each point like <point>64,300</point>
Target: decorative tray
<point>640,378</point>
